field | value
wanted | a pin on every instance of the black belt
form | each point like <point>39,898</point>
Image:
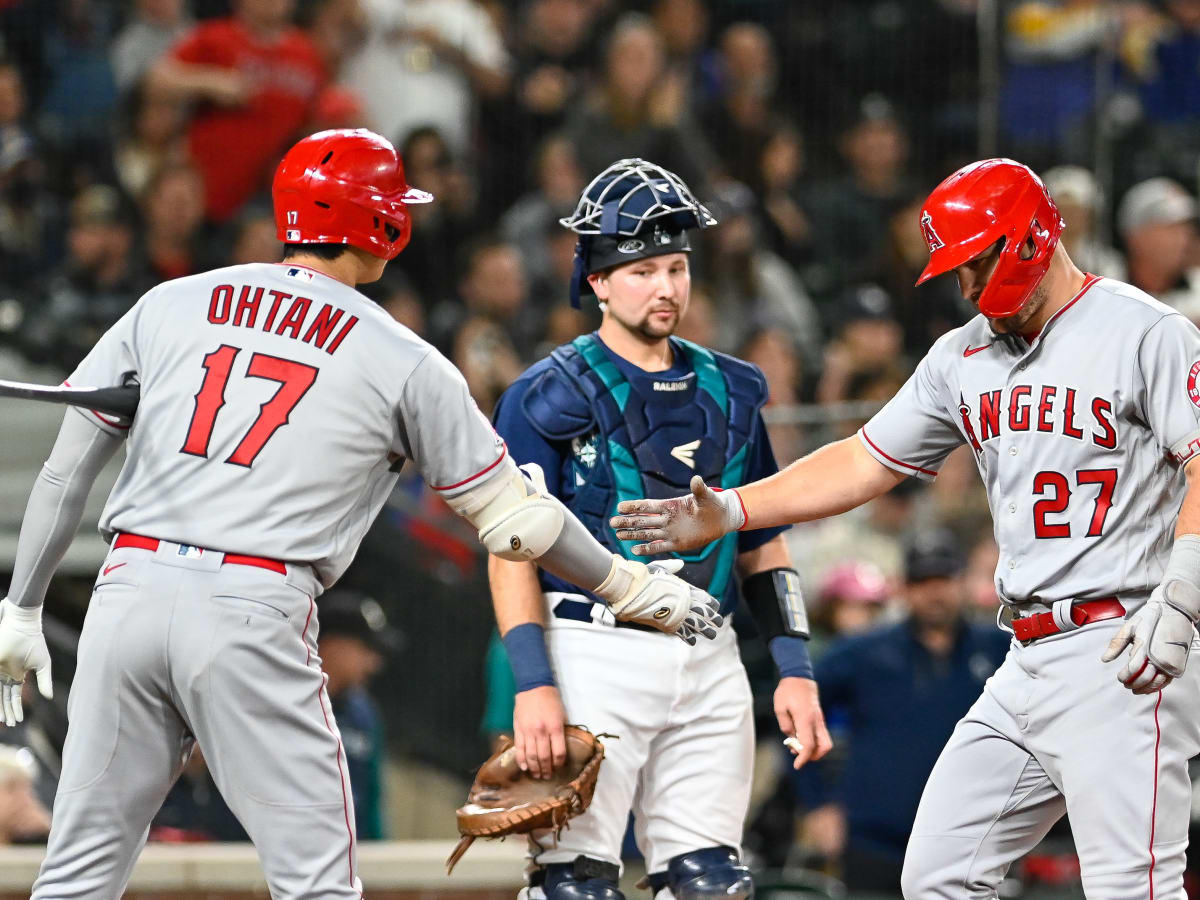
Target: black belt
<point>581,611</point>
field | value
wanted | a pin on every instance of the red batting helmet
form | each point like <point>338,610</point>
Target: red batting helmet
<point>345,186</point>
<point>981,204</point>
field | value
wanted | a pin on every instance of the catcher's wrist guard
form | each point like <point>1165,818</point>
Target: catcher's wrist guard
<point>505,800</point>
<point>776,604</point>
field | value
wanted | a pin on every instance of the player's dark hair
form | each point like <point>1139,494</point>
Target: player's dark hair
<point>321,251</point>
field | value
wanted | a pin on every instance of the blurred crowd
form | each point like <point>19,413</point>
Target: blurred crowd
<point>138,138</point>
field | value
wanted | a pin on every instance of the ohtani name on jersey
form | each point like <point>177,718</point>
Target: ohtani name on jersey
<point>1048,408</point>
<point>271,310</point>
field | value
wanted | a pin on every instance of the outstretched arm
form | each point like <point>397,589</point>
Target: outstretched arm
<point>51,519</point>
<point>838,477</point>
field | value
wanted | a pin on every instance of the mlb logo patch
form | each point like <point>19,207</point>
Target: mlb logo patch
<point>293,235</point>
<point>189,552</point>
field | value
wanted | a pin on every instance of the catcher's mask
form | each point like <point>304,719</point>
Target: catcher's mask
<point>632,210</point>
<point>345,186</point>
<point>983,203</point>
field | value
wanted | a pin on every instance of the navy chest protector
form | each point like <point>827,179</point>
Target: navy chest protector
<point>647,437</point>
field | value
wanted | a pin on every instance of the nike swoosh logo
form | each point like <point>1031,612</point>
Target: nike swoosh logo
<point>971,350</point>
<point>108,569</point>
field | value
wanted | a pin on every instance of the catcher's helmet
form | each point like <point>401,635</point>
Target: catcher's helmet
<point>631,210</point>
<point>980,204</point>
<point>344,186</point>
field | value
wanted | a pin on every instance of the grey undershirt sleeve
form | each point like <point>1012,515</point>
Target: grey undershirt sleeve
<point>56,504</point>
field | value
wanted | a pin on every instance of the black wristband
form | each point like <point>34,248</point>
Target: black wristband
<point>776,603</point>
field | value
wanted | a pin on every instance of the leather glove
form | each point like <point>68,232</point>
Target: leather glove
<point>680,523</point>
<point>1159,636</point>
<point>653,595</point>
<point>22,648</point>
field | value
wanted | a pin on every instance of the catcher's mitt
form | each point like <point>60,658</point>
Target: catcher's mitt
<point>504,800</point>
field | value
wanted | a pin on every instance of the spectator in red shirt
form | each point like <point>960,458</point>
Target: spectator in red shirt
<point>253,78</point>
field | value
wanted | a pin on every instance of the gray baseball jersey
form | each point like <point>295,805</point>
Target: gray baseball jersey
<point>277,407</point>
<point>1080,437</point>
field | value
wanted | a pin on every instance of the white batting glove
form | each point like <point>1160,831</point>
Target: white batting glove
<point>22,648</point>
<point>680,523</point>
<point>652,595</point>
<point>1159,636</point>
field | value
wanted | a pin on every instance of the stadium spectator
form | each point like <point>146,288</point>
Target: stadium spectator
<point>424,63</point>
<point>336,27</point>
<point>27,209</point>
<point>899,685</point>
<point>691,65</point>
<point>853,211</point>
<point>850,598</point>
<point>96,284</point>
<point>150,137</point>
<point>355,641</point>
<point>1077,195</point>
<point>1166,65</point>
<point>557,181</point>
<point>741,117</point>
<point>633,111</point>
<point>1049,89</point>
<point>1157,222</point>
<point>81,92</point>
<point>498,324</point>
<point>550,65</point>
<point>440,228</point>
<point>774,351</point>
<point>778,182</point>
<point>868,341</point>
<point>153,27</point>
<point>252,79</point>
<point>752,287</point>
<point>173,213</point>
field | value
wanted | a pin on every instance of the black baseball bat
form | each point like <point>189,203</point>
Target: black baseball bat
<point>115,401</point>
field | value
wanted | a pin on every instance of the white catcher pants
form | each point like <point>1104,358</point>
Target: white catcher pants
<point>682,758</point>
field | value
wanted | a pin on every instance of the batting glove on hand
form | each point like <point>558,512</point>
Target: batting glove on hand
<point>652,595</point>
<point>681,523</point>
<point>1159,636</point>
<point>22,648</point>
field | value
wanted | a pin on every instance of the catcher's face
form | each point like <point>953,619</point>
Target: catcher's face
<point>647,296</point>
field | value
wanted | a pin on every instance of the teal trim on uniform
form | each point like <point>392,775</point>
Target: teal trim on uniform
<point>606,370</point>
<point>709,377</point>
<point>628,480</point>
<point>627,476</point>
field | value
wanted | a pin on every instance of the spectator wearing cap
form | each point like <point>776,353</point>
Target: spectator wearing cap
<point>868,347</point>
<point>851,213</point>
<point>895,693</point>
<point>1157,221</point>
<point>1077,194</point>
<point>851,597</point>
<point>355,641</point>
<point>96,284</point>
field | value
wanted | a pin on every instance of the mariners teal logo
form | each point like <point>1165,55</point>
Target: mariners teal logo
<point>585,450</point>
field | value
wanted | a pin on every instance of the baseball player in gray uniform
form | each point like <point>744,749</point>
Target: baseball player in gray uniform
<point>277,405</point>
<point>1079,398</point>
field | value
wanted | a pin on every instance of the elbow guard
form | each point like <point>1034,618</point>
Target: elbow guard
<point>776,604</point>
<point>516,517</point>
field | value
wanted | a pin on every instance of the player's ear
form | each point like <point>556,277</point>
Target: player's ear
<point>599,283</point>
